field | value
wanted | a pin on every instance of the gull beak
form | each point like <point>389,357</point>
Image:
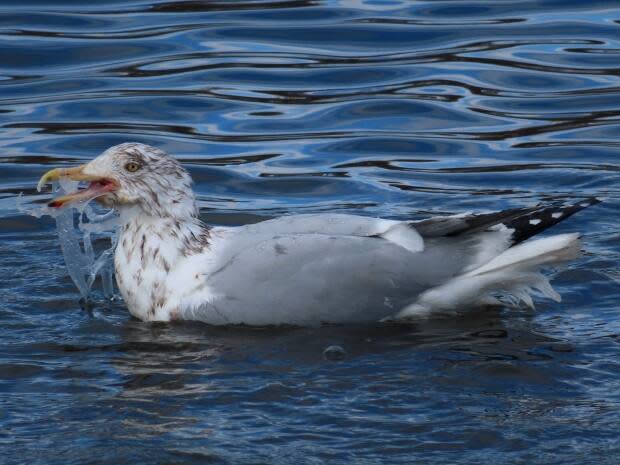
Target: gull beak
<point>98,185</point>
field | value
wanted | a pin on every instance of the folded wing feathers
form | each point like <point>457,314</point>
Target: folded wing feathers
<point>405,236</point>
<point>510,278</point>
<point>553,249</point>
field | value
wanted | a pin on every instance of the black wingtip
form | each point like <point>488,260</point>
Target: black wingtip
<point>546,216</point>
<point>526,222</point>
<point>590,201</point>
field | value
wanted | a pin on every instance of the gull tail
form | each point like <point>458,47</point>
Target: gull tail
<point>511,279</point>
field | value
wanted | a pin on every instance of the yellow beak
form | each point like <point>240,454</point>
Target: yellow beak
<point>98,185</point>
<point>75,174</point>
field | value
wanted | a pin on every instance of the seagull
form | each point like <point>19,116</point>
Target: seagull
<point>308,269</point>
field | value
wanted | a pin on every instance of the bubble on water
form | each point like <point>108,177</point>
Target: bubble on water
<point>334,353</point>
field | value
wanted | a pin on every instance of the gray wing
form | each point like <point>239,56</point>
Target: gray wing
<point>309,269</point>
<point>313,278</point>
<point>337,224</point>
<point>327,223</point>
<point>400,233</point>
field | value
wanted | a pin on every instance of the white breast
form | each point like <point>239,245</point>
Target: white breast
<point>158,281</point>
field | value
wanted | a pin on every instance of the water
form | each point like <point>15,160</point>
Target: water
<point>395,109</point>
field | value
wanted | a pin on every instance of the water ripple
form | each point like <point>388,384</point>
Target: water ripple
<point>395,109</point>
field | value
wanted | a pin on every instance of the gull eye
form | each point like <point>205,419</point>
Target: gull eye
<point>132,167</point>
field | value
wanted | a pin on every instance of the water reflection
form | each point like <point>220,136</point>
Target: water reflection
<point>393,109</point>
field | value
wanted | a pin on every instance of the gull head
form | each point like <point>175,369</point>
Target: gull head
<point>130,177</point>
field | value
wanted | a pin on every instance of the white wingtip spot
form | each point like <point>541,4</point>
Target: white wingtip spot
<point>557,215</point>
<point>535,222</point>
<point>584,204</point>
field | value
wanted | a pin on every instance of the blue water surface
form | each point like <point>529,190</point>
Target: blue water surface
<point>398,109</point>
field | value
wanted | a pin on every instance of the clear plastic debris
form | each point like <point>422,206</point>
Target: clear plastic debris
<point>82,232</point>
